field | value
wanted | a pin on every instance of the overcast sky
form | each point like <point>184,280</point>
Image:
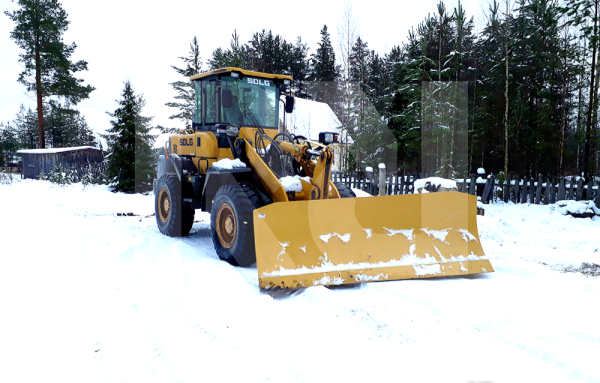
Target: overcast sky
<point>140,40</point>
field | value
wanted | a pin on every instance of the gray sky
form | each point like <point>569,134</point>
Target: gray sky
<point>140,41</point>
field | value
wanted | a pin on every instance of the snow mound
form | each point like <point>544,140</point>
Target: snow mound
<point>227,163</point>
<point>578,209</point>
<point>434,184</point>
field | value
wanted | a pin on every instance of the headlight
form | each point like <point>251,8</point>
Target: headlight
<point>327,138</point>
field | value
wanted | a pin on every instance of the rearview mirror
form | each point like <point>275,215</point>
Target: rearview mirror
<point>289,104</point>
<point>226,98</point>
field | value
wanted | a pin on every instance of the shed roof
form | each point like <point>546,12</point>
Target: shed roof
<point>55,150</point>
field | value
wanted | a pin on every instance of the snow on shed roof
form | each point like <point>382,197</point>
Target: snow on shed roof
<point>54,150</point>
<point>310,118</point>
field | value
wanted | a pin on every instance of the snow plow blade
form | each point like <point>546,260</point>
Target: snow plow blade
<point>353,240</point>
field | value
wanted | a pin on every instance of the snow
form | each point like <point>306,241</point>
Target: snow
<point>381,166</point>
<point>408,233</point>
<point>89,296</point>
<point>344,238</point>
<point>435,181</point>
<point>360,193</point>
<point>227,163</point>
<point>369,169</point>
<point>577,207</point>
<point>291,184</point>
<point>467,236</point>
<point>440,235</point>
<point>428,270</point>
<point>481,171</point>
<point>54,150</point>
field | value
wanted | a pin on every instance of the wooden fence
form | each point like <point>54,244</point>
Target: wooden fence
<point>544,190</point>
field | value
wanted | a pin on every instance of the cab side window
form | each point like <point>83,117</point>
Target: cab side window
<point>197,116</point>
<point>211,102</point>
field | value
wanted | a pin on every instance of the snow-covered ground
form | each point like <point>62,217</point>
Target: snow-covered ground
<point>87,295</point>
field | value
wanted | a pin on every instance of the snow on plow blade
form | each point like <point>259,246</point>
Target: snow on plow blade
<point>353,240</point>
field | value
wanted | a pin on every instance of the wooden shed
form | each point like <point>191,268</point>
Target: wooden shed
<point>36,161</point>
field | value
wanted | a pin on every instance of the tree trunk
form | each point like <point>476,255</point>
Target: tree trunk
<point>587,155</point>
<point>506,93</point>
<point>40,106</point>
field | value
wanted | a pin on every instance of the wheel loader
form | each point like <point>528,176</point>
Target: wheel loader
<point>272,201</point>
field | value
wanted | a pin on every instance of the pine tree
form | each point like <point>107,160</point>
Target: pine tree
<point>49,71</point>
<point>236,56</point>
<point>131,161</point>
<point>185,103</point>
<point>324,71</point>
<point>586,15</point>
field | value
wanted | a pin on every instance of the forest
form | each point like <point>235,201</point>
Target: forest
<point>519,96</point>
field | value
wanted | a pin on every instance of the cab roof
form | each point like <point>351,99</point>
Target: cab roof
<point>243,71</point>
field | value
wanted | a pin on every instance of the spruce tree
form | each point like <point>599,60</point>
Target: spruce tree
<point>324,70</point>
<point>131,161</point>
<point>48,69</point>
<point>185,103</point>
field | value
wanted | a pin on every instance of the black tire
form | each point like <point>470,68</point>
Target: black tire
<point>172,217</point>
<point>232,223</point>
<point>345,192</point>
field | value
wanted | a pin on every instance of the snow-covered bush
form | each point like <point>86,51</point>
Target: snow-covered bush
<point>61,176</point>
<point>8,178</point>
<point>93,178</point>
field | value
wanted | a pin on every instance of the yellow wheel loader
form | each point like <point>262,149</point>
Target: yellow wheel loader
<point>272,201</point>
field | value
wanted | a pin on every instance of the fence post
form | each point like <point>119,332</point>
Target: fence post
<point>561,190</point>
<point>579,195</point>
<point>486,190</point>
<point>552,191</point>
<point>472,186</point>
<point>524,190</point>
<point>538,190</point>
<point>506,189</point>
<point>571,192</point>
<point>382,180</point>
<point>598,196</point>
<point>589,194</point>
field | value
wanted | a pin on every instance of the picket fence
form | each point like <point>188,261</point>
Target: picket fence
<point>543,190</point>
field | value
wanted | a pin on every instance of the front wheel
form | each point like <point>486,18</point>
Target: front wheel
<point>172,217</point>
<point>232,223</point>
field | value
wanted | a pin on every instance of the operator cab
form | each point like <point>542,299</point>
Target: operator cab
<point>230,98</point>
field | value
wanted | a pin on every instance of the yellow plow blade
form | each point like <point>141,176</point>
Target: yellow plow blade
<point>352,240</point>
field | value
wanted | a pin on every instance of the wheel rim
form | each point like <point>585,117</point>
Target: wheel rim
<point>226,226</point>
<point>164,205</point>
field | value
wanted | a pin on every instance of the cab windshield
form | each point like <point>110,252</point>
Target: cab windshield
<point>254,102</point>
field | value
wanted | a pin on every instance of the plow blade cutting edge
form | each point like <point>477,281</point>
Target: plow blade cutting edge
<point>353,240</point>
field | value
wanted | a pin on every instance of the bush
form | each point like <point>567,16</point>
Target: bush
<point>93,174</point>
<point>8,178</point>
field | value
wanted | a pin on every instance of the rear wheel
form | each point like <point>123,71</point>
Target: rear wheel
<point>173,218</point>
<point>345,192</point>
<point>232,223</point>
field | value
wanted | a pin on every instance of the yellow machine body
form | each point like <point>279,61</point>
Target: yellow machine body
<point>342,241</point>
<point>314,237</point>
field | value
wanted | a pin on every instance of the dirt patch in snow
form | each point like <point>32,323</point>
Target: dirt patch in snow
<point>587,269</point>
